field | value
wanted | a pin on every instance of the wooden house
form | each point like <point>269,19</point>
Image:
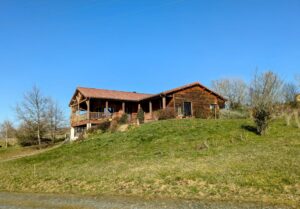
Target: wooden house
<point>89,106</point>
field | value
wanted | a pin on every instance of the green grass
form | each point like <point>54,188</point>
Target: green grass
<point>14,151</point>
<point>162,159</point>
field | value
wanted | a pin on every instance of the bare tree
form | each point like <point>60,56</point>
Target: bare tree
<point>56,118</point>
<point>289,91</point>
<point>235,90</point>
<point>265,92</point>
<point>7,131</point>
<point>32,111</point>
<point>297,77</point>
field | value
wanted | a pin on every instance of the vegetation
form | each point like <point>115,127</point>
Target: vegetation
<point>199,113</point>
<point>235,90</point>
<point>123,119</point>
<point>39,116</point>
<point>188,158</point>
<point>265,94</point>
<point>7,131</point>
<point>165,114</point>
<point>140,116</point>
<point>234,114</point>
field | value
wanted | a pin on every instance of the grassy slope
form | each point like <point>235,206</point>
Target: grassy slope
<point>162,159</point>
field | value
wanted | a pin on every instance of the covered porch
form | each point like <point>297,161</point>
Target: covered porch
<point>93,111</point>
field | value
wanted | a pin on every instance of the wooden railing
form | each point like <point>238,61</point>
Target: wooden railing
<point>98,115</point>
<point>92,116</point>
<point>75,118</point>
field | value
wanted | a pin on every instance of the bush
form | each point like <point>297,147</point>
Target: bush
<point>166,114</point>
<point>123,119</point>
<point>114,125</point>
<point>261,117</point>
<point>200,113</point>
<point>26,135</point>
<point>140,116</point>
<point>104,126</point>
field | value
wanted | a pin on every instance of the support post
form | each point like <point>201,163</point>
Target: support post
<point>123,107</point>
<point>150,108</point>
<point>139,106</point>
<point>72,134</point>
<point>88,126</point>
<point>88,109</point>
<point>164,102</point>
<point>106,105</point>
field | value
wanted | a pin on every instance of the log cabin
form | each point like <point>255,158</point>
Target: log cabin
<point>90,106</point>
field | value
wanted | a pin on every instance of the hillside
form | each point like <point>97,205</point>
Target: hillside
<point>201,159</point>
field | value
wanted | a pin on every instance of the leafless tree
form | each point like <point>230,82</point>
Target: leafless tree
<point>289,92</point>
<point>265,92</point>
<point>55,117</point>
<point>32,111</point>
<point>298,79</point>
<point>7,131</point>
<point>235,90</point>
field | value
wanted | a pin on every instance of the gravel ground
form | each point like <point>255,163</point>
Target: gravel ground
<point>30,201</point>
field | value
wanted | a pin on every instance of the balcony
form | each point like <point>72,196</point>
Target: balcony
<point>86,117</point>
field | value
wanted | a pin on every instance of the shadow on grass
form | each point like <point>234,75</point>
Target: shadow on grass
<point>250,128</point>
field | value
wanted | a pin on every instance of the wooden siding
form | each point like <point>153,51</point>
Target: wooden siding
<point>200,99</point>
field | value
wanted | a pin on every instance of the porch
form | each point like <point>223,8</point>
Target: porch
<point>94,111</point>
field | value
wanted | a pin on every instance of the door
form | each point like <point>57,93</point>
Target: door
<point>187,108</point>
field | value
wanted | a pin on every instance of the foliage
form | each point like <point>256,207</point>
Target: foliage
<point>123,119</point>
<point>188,158</point>
<point>200,113</point>
<point>104,125</point>
<point>265,93</point>
<point>26,135</point>
<point>165,114</point>
<point>261,117</point>
<point>114,125</point>
<point>141,116</point>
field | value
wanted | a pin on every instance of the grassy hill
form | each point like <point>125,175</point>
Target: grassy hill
<point>191,158</point>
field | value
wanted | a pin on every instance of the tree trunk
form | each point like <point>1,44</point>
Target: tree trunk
<point>39,137</point>
<point>6,136</point>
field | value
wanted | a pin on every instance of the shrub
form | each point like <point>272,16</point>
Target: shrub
<point>123,119</point>
<point>200,113</point>
<point>114,125</point>
<point>261,118</point>
<point>92,130</point>
<point>166,114</point>
<point>26,135</point>
<point>265,92</point>
<point>102,127</point>
<point>140,116</point>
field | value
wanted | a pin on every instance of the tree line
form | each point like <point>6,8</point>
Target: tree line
<point>40,119</point>
<point>262,96</point>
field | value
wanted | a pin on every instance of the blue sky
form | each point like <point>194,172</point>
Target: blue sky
<point>143,46</point>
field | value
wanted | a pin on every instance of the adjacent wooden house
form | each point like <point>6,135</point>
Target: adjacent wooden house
<point>90,106</point>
